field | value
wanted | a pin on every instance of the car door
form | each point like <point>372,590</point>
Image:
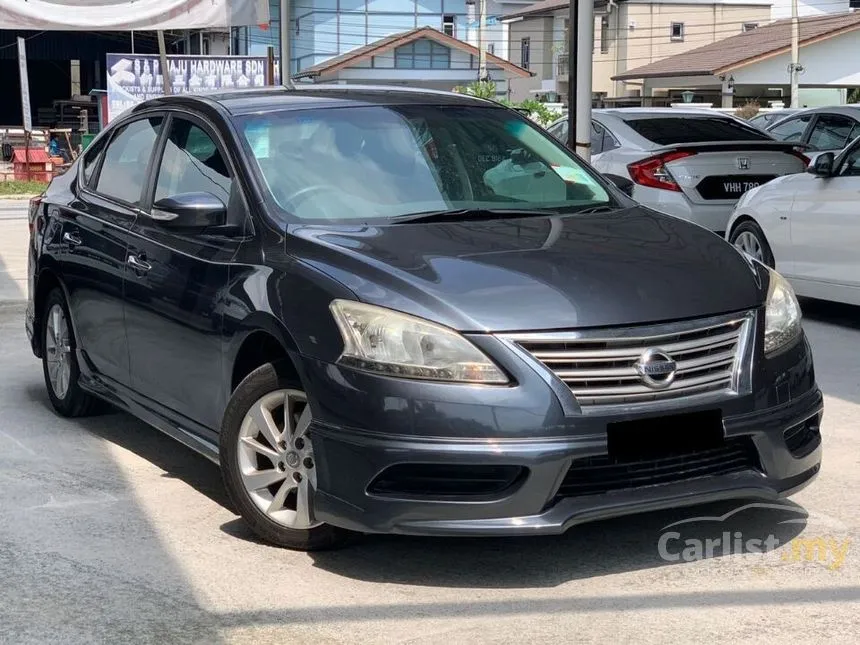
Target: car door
<point>825,226</point>
<point>94,239</point>
<point>176,280</point>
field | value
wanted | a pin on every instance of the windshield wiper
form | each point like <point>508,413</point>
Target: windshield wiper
<point>463,214</point>
<point>595,209</point>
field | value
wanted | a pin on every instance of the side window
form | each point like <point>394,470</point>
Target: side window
<point>791,130</point>
<point>609,141</point>
<point>91,160</point>
<point>597,133</point>
<point>851,165</point>
<point>123,172</point>
<point>831,132</point>
<point>559,131</point>
<point>192,163</point>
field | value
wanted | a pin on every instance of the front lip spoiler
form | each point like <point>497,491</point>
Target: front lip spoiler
<point>563,515</point>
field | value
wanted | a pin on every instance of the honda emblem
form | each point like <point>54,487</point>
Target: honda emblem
<point>743,163</point>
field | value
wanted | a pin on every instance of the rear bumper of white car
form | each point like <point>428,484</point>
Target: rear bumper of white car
<point>712,216</point>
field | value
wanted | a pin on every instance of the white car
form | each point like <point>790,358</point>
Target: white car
<point>693,164</point>
<point>807,227</point>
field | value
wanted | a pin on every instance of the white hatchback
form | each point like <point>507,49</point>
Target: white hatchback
<point>694,164</point>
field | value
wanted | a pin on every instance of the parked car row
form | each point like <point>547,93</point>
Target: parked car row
<point>717,171</point>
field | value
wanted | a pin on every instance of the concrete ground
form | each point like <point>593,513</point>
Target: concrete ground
<point>113,533</point>
<point>14,235</point>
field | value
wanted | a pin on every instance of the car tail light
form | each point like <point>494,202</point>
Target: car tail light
<point>35,202</point>
<point>652,172</point>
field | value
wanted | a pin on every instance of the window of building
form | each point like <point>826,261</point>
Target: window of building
<point>448,26</point>
<point>491,48</point>
<point>206,46</point>
<point>750,26</point>
<point>604,34</point>
<point>123,172</point>
<point>525,52</point>
<point>422,54</point>
<point>677,31</point>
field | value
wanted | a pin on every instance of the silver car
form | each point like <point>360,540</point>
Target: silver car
<point>693,164</point>
<point>825,129</point>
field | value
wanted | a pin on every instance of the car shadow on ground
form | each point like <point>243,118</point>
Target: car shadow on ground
<point>585,551</point>
<point>590,550</point>
<point>833,313</point>
<point>150,444</point>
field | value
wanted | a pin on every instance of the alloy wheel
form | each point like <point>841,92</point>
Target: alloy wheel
<point>749,244</point>
<point>58,351</point>
<point>276,458</point>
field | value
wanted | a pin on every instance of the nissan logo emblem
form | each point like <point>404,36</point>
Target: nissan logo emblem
<point>656,369</point>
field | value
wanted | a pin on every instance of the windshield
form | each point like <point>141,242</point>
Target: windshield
<point>383,162</point>
<point>666,131</point>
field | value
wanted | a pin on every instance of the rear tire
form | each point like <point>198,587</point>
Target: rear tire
<point>60,362</point>
<point>749,238</point>
<point>268,464</point>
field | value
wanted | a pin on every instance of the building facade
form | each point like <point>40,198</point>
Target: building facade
<point>627,34</point>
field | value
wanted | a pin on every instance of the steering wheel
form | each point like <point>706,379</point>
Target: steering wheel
<point>303,194</point>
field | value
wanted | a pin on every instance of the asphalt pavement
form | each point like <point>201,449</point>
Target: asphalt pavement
<point>112,533</point>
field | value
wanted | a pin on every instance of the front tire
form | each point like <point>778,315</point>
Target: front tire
<point>59,361</point>
<point>268,462</point>
<point>749,238</point>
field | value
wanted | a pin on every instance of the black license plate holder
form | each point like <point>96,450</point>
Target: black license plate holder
<point>730,186</point>
<point>665,436</point>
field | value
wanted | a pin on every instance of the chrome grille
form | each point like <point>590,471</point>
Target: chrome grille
<point>599,366</point>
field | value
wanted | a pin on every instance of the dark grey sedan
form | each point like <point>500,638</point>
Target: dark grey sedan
<point>393,311</point>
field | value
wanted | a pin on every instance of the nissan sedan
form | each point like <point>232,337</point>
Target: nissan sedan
<point>393,311</point>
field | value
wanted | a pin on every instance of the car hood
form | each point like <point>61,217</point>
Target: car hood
<point>554,272</point>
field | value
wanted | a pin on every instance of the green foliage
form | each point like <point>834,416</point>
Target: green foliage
<point>22,187</point>
<point>854,95</point>
<point>480,89</point>
<point>540,112</point>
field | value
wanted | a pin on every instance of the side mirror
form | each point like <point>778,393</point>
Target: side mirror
<point>190,211</point>
<point>823,165</point>
<point>623,184</point>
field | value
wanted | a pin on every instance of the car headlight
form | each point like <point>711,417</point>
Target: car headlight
<point>396,344</point>
<point>782,314</point>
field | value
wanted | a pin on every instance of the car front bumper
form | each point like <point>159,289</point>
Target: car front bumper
<point>396,425</point>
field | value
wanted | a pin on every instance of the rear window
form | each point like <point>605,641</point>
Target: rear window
<point>669,130</point>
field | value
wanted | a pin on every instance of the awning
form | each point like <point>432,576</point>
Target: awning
<point>127,15</point>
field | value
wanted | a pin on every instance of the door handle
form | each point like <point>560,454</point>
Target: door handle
<point>138,264</point>
<point>72,238</point>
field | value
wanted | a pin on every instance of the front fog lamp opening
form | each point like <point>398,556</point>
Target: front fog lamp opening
<point>392,343</point>
<point>782,315</point>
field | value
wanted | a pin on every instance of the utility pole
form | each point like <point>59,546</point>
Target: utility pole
<point>572,50</point>
<point>162,55</point>
<point>795,68</point>
<point>286,63</point>
<point>584,57</point>
<point>482,48</point>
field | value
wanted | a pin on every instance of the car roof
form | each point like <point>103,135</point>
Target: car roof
<point>269,99</point>
<point>848,110</point>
